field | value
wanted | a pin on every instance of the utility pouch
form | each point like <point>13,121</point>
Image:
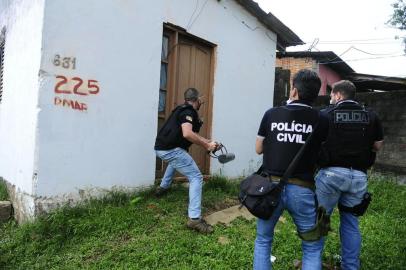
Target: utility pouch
<point>319,230</point>
<point>259,195</point>
<point>359,209</point>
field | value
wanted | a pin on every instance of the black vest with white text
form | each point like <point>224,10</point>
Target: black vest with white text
<point>349,142</point>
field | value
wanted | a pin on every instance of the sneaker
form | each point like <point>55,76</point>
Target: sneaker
<point>199,225</point>
<point>159,191</point>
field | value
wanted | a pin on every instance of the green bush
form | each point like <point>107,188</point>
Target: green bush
<point>3,190</point>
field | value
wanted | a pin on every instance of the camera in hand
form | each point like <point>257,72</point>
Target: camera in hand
<point>224,156</point>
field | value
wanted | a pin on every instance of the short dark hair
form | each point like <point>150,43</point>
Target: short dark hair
<point>308,84</point>
<point>191,94</point>
<point>345,88</point>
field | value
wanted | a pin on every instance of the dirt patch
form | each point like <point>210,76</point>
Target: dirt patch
<point>223,240</point>
<point>218,206</point>
<point>226,216</point>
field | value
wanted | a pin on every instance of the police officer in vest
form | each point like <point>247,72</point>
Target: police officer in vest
<point>355,135</point>
<point>282,132</point>
<point>172,144</point>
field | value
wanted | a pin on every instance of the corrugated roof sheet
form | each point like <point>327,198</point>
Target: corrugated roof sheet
<point>365,82</point>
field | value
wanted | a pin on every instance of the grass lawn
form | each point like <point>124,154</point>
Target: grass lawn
<point>139,231</point>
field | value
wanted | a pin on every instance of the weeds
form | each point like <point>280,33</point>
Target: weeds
<point>3,190</point>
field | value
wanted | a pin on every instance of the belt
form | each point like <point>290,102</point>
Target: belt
<point>295,181</point>
<point>364,170</point>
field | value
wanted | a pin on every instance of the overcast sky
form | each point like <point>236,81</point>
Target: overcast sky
<point>340,24</point>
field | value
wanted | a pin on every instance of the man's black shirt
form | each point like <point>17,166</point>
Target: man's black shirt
<point>285,129</point>
<point>170,135</point>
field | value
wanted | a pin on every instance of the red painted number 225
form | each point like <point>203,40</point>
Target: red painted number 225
<point>91,89</point>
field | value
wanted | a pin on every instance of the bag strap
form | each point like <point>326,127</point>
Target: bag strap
<point>298,156</point>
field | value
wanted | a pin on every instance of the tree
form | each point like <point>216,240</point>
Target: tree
<point>398,18</point>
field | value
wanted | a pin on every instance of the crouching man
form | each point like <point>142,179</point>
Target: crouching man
<point>175,137</point>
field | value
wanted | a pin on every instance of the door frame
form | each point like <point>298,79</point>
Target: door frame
<point>174,32</point>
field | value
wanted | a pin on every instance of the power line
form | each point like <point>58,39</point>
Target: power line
<point>373,53</point>
<point>359,40</point>
<point>361,59</point>
<point>330,60</point>
<point>362,43</point>
<point>198,15</point>
<point>357,49</point>
<point>252,28</point>
<point>314,44</point>
<point>193,14</point>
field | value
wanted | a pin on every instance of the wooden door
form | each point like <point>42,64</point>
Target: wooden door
<point>193,70</point>
<point>186,63</point>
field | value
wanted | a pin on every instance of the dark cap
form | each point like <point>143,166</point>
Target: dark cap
<point>191,94</point>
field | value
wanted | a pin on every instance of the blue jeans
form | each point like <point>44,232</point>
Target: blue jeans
<point>181,161</point>
<point>301,205</point>
<point>346,186</point>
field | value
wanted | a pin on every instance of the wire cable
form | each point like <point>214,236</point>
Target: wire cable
<point>373,53</point>
<point>194,11</point>
<point>247,25</point>
<point>198,15</point>
<point>360,59</point>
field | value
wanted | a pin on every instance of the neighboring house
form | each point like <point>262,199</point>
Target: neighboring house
<point>385,95</point>
<point>86,84</point>
<point>330,67</point>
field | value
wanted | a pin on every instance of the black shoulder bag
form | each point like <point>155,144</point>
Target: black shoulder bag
<point>260,195</point>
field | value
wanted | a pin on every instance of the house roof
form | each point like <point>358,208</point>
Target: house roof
<point>366,82</point>
<point>285,36</point>
<point>328,58</point>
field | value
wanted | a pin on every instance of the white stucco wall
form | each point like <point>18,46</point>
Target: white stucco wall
<point>244,75</point>
<point>118,43</point>
<point>18,110</point>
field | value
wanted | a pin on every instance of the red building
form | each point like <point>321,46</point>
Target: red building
<point>330,67</point>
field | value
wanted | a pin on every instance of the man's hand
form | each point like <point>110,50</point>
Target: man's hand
<point>211,146</point>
